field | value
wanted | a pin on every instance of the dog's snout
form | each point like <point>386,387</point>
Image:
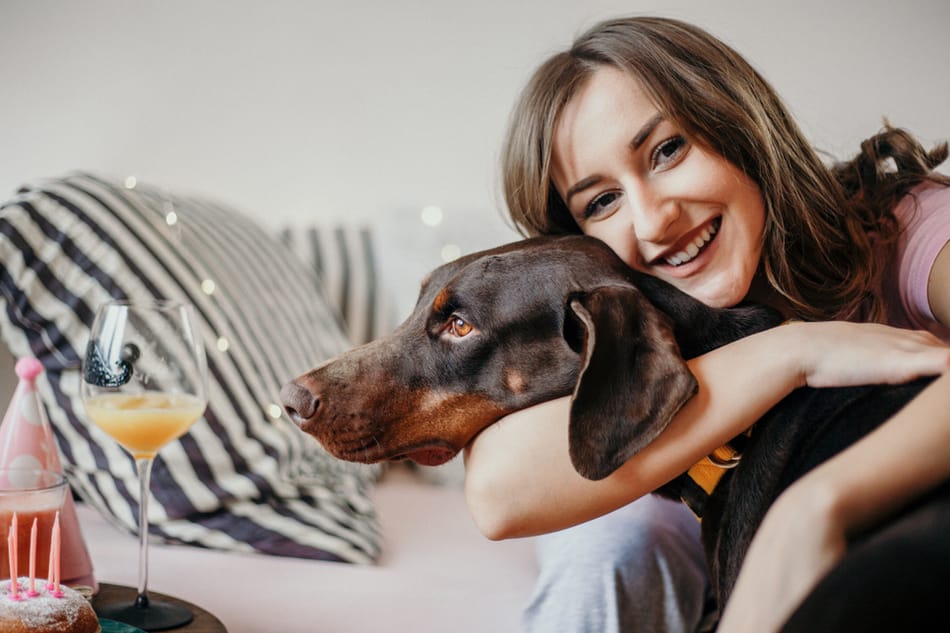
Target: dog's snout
<point>299,403</point>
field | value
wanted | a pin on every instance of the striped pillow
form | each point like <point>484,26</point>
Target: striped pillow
<point>344,258</point>
<point>244,478</point>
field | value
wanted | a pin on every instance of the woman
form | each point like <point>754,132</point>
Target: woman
<point>660,140</point>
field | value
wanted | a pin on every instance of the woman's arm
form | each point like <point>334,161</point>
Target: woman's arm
<point>805,532</point>
<point>846,494</point>
<point>519,479</point>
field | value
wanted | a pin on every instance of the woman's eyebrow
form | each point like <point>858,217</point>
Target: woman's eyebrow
<point>638,139</point>
<point>579,187</point>
<point>644,133</point>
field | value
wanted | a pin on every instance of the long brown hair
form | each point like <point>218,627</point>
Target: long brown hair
<point>828,230</point>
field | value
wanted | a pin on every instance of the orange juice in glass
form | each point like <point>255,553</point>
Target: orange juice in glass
<point>143,423</point>
<point>30,494</point>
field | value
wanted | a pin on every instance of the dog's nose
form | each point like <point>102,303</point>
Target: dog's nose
<point>299,402</point>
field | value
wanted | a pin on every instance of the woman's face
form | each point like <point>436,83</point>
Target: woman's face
<point>669,208</point>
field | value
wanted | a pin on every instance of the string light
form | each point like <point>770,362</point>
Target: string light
<point>432,215</point>
<point>450,252</point>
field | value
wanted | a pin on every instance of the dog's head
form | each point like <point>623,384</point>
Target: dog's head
<point>495,332</point>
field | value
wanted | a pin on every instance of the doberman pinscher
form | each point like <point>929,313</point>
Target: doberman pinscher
<point>500,330</point>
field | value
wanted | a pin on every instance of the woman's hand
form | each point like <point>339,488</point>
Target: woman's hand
<point>841,354</point>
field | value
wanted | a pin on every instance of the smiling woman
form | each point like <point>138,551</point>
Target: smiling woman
<point>666,144</point>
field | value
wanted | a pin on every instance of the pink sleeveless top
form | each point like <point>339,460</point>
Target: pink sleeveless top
<point>924,215</point>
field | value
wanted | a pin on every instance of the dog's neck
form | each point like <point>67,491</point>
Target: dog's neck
<point>700,328</point>
<point>761,292</point>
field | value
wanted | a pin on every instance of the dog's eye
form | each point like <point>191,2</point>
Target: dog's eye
<point>459,326</point>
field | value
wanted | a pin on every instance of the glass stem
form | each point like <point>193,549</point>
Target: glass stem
<point>144,467</point>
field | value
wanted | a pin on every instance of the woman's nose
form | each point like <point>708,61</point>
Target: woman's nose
<point>652,218</point>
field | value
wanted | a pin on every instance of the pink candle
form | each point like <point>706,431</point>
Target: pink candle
<point>57,545</point>
<point>49,575</point>
<point>11,547</point>
<point>10,560</point>
<point>14,528</point>
<point>16,551</point>
<point>32,592</point>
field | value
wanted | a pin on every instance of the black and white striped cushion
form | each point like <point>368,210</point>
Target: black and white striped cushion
<point>343,256</point>
<point>244,478</point>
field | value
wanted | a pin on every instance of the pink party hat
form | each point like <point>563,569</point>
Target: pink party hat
<point>26,441</point>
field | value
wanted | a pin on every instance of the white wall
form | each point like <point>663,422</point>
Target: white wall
<point>374,109</point>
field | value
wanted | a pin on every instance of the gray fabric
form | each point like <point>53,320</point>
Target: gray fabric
<point>639,569</point>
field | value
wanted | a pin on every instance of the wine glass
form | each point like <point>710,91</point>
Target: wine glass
<point>144,382</point>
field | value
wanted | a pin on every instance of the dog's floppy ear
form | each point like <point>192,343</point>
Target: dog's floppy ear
<point>632,379</point>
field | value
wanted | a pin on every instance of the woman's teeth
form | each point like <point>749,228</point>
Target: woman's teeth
<point>693,248</point>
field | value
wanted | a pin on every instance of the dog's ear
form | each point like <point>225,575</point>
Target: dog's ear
<point>632,379</point>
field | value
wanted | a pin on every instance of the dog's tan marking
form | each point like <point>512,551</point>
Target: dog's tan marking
<point>454,417</point>
<point>461,416</point>
<point>515,381</point>
<point>432,400</point>
<point>441,299</point>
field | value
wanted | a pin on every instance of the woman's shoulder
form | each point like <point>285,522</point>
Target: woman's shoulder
<point>922,202</point>
<point>924,215</point>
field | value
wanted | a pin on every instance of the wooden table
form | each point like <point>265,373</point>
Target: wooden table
<point>204,622</point>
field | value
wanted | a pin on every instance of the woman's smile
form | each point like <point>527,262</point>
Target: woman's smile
<point>689,248</point>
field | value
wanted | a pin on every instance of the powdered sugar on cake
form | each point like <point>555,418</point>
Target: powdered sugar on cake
<point>44,610</point>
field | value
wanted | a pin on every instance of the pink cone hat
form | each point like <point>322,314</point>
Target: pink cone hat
<point>26,441</point>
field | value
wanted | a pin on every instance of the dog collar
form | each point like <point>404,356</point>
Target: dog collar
<point>703,476</point>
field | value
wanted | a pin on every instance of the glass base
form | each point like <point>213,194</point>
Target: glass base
<point>156,616</point>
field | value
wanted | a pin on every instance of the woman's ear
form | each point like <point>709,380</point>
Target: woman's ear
<point>632,379</point>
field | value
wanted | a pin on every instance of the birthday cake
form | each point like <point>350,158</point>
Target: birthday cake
<point>46,612</point>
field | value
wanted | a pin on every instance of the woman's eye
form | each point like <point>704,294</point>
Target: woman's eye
<point>668,152</point>
<point>458,326</point>
<point>602,205</point>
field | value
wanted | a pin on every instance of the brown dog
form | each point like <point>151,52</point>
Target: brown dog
<point>504,329</point>
<point>501,330</point>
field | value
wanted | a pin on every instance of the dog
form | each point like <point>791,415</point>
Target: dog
<point>500,330</point>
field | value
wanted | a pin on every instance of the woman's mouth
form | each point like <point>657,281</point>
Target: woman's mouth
<point>695,246</point>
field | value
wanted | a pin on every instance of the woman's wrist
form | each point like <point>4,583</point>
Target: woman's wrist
<point>796,334</point>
